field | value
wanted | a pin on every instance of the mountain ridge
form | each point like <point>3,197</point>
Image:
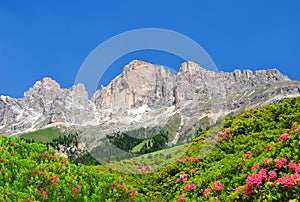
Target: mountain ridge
<point>144,95</point>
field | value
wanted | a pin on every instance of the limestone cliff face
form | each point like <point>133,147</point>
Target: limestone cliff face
<point>139,84</point>
<point>144,95</point>
<point>142,83</point>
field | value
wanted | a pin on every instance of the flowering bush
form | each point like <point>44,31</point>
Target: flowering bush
<point>254,158</point>
<point>218,186</point>
<point>190,187</point>
<point>284,137</point>
<point>272,174</point>
<point>206,191</point>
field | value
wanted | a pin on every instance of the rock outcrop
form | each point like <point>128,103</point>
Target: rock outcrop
<point>139,84</point>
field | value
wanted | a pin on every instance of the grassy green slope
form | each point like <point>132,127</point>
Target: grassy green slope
<point>43,135</point>
<point>138,147</point>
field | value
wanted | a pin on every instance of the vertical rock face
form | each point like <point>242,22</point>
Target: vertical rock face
<point>146,94</point>
<point>139,84</point>
<point>196,83</point>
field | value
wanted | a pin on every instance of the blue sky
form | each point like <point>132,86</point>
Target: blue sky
<point>52,38</point>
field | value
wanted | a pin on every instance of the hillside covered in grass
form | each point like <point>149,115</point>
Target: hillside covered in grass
<point>255,157</point>
<point>43,135</point>
<point>28,172</point>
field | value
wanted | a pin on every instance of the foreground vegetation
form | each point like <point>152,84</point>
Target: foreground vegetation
<point>31,173</point>
<point>255,157</point>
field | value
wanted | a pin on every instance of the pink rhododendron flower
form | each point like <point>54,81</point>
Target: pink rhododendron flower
<point>45,195</point>
<point>218,186</point>
<point>297,169</point>
<point>263,173</point>
<point>75,191</point>
<point>53,157</point>
<point>12,143</point>
<point>273,175</point>
<point>255,166</point>
<point>247,155</point>
<point>292,166</point>
<point>247,190</point>
<point>283,160</point>
<point>190,187</point>
<point>4,147</point>
<point>133,192</point>
<point>280,163</point>
<point>284,137</point>
<point>183,177</point>
<point>206,191</point>
<point>286,181</point>
<point>268,147</point>
<point>192,159</point>
<point>295,176</point>
<point>44,156</point>
<point>180,198</point>
<point>193,171</point>
<point>267,161</point>
<point>256,179</point>
<point>55,179</point>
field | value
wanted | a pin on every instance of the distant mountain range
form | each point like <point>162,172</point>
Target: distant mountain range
<point>145,95</point>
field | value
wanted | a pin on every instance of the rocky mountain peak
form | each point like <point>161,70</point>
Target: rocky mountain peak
<point>271,74</point>
<point>135,64</point>
<point>46,83</point>
<point>45,87</point>
<point>190,67</point>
